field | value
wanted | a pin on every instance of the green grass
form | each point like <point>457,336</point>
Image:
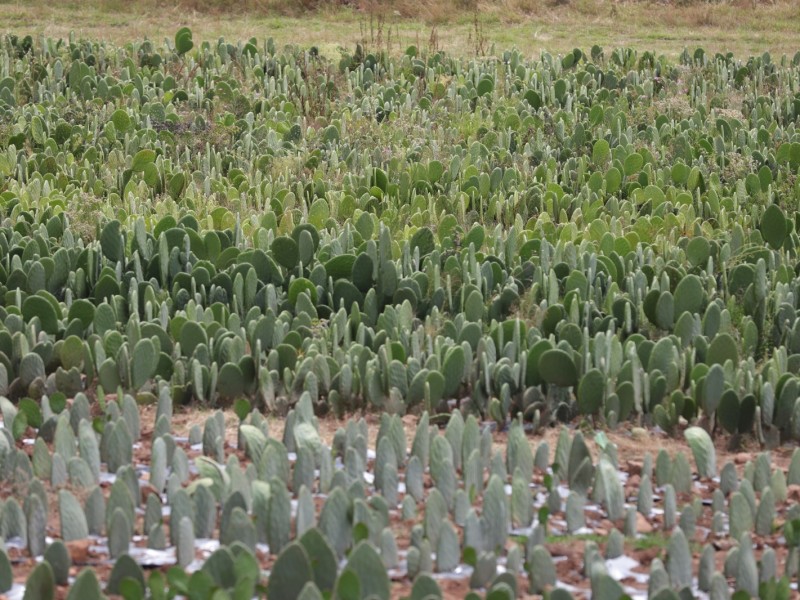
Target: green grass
<point>651,540</point>
<point>571,539</point>
<point>656,539</point>
<point>530,25</point>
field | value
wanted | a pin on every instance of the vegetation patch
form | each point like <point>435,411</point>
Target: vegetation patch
<point>502,278</point>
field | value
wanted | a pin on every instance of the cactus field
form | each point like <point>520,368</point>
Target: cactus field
<point>286,325</point>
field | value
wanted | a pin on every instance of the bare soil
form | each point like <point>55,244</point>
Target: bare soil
<point>632,446</point>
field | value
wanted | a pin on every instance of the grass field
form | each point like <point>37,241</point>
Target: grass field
<point>530,25</point>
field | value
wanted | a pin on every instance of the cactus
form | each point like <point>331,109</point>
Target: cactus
<point>254,441</point>
<point>73,522</point>
<point>670,507</point>
<point>240,529</point>
<point>414,562</point>
<point>769,565</point>
<point>95,512</point>
<point>722,348</point>
<point>761,472</point>
<point>718,501</point>
<point>453,370</point>
<point>88,448</point>
<point>420,446</point>
<point>731,567</point>
<point>705,456</point>
<point>80,475</point>
<point>59,560</point>
<point>64,440</point>
<point>740,515</point>
<point>425,587</point>
<point>747,571</point>
<point>681,474</point>
<point>40,584</point>
<point>310,592</point>
<point>365,562</point>
<point>36,514</point>
<point>156,538</point>
<point>689,295</point>
<point>495,514</point>
<point>644,502</point>
<point>6,575</point>
<point>285,251</point>
<point>746,489</point>
<point>613,494</point>
<point>706,568</point>
<point>729,480</point>
<point>408,509</point>
<point>279,516</point>
<point>143,363</point>
<point>765,516</point>
<point>306,516</point>
<point>521,501</point>
<point>631,524</point>
<point>435,513</point>
<point>773,226</point>
<point>580,470</point>
<point>31,367</point>
<point>220,567</point>
<point>42,461</point>
<point>542,457</point>
<point>386,290</point>
<point>679,560</point>
<point>448,551</point>
<point>158,464</point>
<point>120,446</point>
<point>425,563</point>
<point>688,521</point>
<point>322,557</point>
<point>273,462</point>
<point>414,483</point>
<point>484,570</point>
<point>719,587</point>
<point>518,453</point>
<point>574,512</point>
<point>85,586</point>
<point>557,367</point>
<point>261,493</point>
<point>334,522</point>
<point>541,570</point>
<point>192,336</point>
<point>472,473</point>
<point>124,568</point>
<point>120,532</point>
<point>659,579</point>
<point>303,475</point>
<point>591,391</point>
<point>664,314</point>
<point>442,469</point>
<point>663,468</point>
<point>185,546</point>
<point>615,544</point>
<point>388,548</point>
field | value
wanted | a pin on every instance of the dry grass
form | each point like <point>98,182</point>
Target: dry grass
<point>739,26</point>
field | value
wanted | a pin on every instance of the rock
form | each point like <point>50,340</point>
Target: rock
<point>793,491</point>
<point>634,467</point>
<point>79,551</point>
<point>642,524</point>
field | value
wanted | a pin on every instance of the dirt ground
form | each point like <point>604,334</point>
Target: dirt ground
<point>632,444</point>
